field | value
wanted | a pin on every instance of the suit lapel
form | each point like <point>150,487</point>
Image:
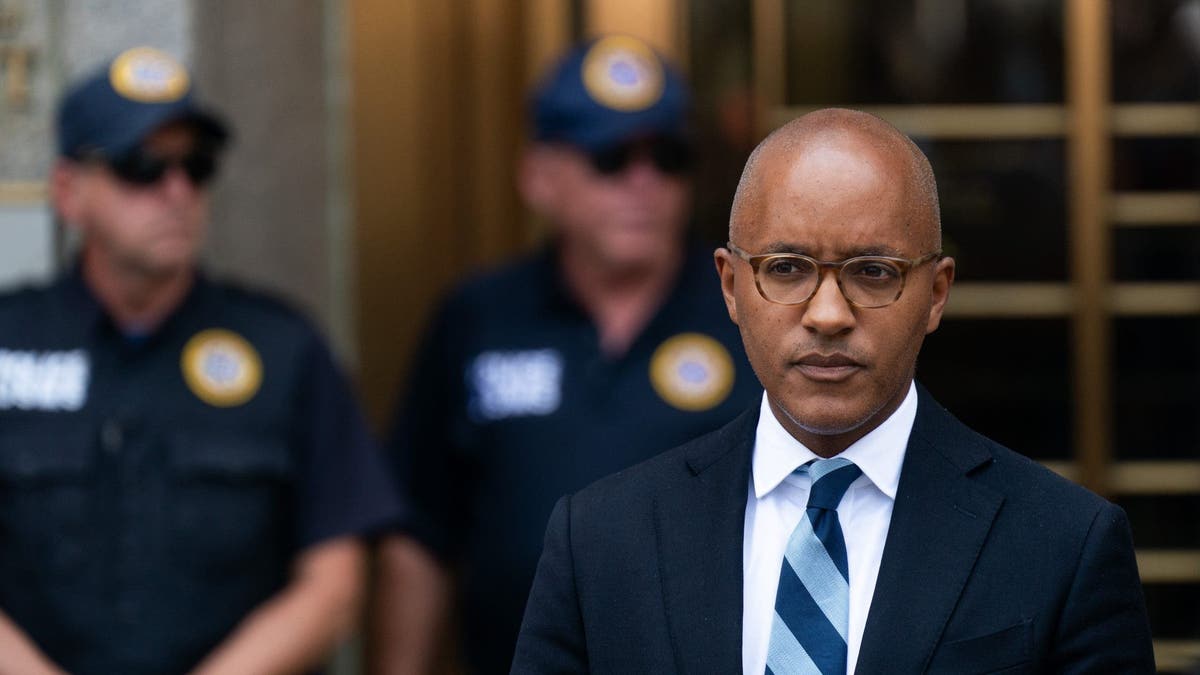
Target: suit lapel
<point>940,521</point>
<point>700,523</point>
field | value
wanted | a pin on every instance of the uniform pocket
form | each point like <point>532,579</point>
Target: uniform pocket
<point>46,490</point>
<point>50,456</point>
<point>232,500</point>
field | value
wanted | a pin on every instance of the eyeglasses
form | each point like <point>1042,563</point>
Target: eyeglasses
<point>668,155</point>
<point>867,281</point>
<point>141,167</point>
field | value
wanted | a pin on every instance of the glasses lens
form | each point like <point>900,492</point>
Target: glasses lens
<point>787,279</point>
<point>139,168</point>
<point>610,161</point>
<point>200,166</point>
<point>872,282</point>
<point>671,156</point>
<point>668,155</point>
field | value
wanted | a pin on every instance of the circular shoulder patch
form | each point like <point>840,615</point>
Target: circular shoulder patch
<point>623,73</point>
<point>221,367</point>
<point>692,372</point>
<point>148,75</point>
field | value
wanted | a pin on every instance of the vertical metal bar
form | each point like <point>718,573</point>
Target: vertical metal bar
<point>53,64</point>
<point>547,35</point>
<point>339,219</point>
<point>494,84</point>
<point>682,11</point>
<point>403,116</point>
<point>770,72</point>
<point>655,21</point>
<point>548,32</point>
<point>1089,167</point>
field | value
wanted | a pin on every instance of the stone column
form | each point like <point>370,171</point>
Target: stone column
<point>279,222</point>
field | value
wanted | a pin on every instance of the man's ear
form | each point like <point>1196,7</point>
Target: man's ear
<point>943,279</point>
<point>66,190</point>
<point>535,178</point>
<point>725,269</point>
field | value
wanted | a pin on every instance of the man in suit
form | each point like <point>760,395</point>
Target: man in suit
<point>849,523</point>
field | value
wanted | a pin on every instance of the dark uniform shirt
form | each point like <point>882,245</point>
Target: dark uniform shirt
<point>512,404</point>
<point>154,490</point>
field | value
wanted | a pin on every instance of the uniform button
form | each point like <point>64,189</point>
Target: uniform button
<point>112,436</point>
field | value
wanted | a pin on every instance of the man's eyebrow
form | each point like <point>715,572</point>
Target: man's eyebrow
<point>783,247</point>
<point>876,251</point>
<point>868,250</point>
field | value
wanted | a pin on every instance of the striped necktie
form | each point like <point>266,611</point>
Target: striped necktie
<point>812,605</point>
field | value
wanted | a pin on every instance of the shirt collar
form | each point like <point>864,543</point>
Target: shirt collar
<point>81,307</point>
<point>84,311</point>
<point>697,265</point>
<point>879,454</point>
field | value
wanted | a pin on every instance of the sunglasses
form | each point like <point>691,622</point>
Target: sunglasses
<point>139,167</point>
<point>668,155</point>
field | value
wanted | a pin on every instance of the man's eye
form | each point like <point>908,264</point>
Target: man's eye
<point>877,271</point>
<point>784,267</point>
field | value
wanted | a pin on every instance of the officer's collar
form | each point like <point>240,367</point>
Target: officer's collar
<point>84,308</point>
<point>697,262</point>
<point>551,280</point>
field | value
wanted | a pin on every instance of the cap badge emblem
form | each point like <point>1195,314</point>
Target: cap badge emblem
<point>623,73</point>
<point>148,75</point>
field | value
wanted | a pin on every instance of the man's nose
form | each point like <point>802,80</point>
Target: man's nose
<point>642,171</point>
<point>827,311</point>
<point>177,184</point>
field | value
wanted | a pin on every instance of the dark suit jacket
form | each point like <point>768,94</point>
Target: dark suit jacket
<point>992,564</point>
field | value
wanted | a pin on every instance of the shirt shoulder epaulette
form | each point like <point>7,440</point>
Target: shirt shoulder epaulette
<point>22,297</point>
<point>24,306</point>
<point>523,283</point>
<point>259,306</point>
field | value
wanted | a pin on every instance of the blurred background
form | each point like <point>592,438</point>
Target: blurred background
<point>376,139</point>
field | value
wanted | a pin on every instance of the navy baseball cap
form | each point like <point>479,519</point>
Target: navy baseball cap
<point>609,91</point>
<point>109,112</point>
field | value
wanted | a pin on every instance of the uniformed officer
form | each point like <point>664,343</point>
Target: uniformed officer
<point>606,347</point>
<point>185,478</point>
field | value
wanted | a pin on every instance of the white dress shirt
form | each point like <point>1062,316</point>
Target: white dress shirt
<point>776,503</point>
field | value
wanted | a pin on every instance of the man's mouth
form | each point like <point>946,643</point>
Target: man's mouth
<point>834,367</point>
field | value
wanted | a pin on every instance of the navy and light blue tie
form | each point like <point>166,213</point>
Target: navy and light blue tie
<point>812,605</point>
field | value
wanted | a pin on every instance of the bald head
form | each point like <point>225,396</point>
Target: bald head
<point>850,131</point>
<point>832,186</point>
